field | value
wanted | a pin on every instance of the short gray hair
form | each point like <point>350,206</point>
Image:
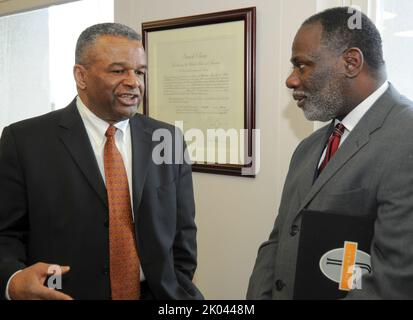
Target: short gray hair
<point>91,34</point>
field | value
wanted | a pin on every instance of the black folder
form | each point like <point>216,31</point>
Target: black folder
<point>320,234</point>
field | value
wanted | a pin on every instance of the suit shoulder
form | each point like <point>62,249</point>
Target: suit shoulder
<point>404,109</point>
<point>151,124</point>
<point>400,119</point>
<point>316,136</point>
<point>308,144</point>
<point>38,122</point>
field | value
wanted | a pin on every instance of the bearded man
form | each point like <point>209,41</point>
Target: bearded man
<point>361,165</point>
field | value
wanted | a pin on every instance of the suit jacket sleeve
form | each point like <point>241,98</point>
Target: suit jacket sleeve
<point>392,244</point>
<point>13,212</point>
<point>185,247</point>
<point>261,282</point>
<point>262,279</point>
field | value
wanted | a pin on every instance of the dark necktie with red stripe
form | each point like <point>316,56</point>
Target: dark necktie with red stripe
<point>333,144</point>
<point>124,259</point>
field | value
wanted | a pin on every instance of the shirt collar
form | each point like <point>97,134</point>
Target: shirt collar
<point>351,120</point>
<point>96,126</point>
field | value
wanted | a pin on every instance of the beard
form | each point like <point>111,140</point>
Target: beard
<point>325,99</point>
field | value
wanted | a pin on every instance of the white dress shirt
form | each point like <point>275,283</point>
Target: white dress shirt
<point>96,129</point>
<point>353,118</point>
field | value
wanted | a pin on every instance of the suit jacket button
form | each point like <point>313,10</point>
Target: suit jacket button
<point>105,270</point>
<point>294,230</point>
<point>279,285</point>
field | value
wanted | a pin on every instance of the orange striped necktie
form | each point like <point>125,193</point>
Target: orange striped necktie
<point>124,259</point>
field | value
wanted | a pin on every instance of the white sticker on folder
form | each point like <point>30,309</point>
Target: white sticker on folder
<point>340,266</point>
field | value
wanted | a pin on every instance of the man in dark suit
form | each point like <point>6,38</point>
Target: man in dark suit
<point>80,191</point>
<point>360,165</point>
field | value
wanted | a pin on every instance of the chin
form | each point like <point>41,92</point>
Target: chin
<point>311,116</point>
<point>126,113</point>
<point>125,116</point>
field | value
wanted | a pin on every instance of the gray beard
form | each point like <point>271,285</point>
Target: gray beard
<point>329,102</point>
<point>323,108</point>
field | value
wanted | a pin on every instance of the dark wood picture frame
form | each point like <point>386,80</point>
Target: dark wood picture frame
<point>248,16</point>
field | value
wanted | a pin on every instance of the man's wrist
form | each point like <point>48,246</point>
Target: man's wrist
<point>8,283</point>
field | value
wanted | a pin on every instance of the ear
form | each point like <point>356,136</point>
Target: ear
<point>353,62</point>
<point>80,74</point>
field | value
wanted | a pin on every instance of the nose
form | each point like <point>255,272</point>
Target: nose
<point>133,80</point>
<point>292,81</point>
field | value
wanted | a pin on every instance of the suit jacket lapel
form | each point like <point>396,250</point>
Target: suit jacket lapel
<point>350,147</point>
<point>308,173</point>
<point>74,136</point>
<point>141,157</point>
<point>358,138</point>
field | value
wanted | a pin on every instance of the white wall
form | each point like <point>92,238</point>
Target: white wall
<point>234,215</point>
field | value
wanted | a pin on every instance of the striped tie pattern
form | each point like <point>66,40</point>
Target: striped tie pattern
<point>333,144</point>
<point>124,259</point>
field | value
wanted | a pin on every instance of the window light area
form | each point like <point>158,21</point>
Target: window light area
<point>66,22</point>
<point>393,18</point>
<point>37,56</point>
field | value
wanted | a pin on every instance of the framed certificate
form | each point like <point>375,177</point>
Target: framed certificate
<point>201,78</point>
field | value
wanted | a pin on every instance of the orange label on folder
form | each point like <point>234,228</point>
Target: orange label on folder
<point>347,269</point>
